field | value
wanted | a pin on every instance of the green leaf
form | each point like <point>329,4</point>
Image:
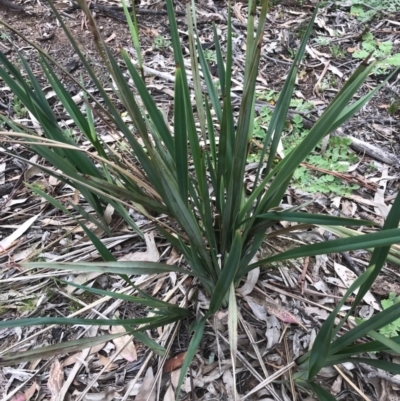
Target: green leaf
<point>129,267</point>
<point>56,349</point>
<point>227,275</point>
<point>198,329</point>
<point>180,140</point>
<point>377,239</point>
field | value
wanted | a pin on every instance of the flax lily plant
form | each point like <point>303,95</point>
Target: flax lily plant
<point>193,173</point>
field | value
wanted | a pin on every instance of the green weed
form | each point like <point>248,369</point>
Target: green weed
<point>365,10</point>
<point>382,51</point>
<point>18,108</point>
<point>161,43</point>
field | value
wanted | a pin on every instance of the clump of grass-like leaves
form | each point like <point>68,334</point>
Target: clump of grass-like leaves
<point>219,225</point>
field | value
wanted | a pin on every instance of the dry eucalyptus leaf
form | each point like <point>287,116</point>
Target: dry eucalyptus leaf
<point>173,257</point>
<point>71,360</point>
<point>381,209</point>
<point>258,309</point>
<point>19,397</point>
<point>175,377</point>
<point>337,385</point>
<point>82,279</point>
<point>348,278</point>
<point>129,350</point>
<point>107,395</point>
<point>158,285</point>
<point>170,394</point>
<point>251,281</point>
<point>281,313</point>
<point>227,377</point>
<point>56,379</point>
<point>151,255</point>
<point>135,389</point>
<point>104,361</point>
<point>145,393</point>
<point>6,243</point>
<point>273,332</point>
<point>174,363</point>
<point>31,391</point>
<point>31,171</point>
<point>108,213</point>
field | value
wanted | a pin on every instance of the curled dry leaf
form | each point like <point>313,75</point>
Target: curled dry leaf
<point>56,379</point>
<point>251,281</point>
<point>129,350</point>
<point>174,363</point>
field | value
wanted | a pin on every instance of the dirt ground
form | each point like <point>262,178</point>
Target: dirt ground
<point>376,131</point>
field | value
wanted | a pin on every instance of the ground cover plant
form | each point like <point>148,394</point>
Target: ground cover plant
<point>195,177</point>
<point>367,9</point>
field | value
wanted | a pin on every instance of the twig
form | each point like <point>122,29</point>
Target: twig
<point>351,384</point>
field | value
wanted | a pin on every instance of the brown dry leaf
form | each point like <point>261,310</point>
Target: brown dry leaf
<point>382,286</point>
<point>151,255</point>
<point>173,257</point>
<point>261,307</point>
<point>56,379</point>
<point>72,359</point>
<point>158,285</point>
<point>28,393</point>
<point>348,278</point>
<point>144,392</point>
<point>281,313</point>
<point>105,361</point>
<point>5,243</point>
<point>174,363</point>
<point>19,397</point>
<point>78,356</point>
<point>129,352</point>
